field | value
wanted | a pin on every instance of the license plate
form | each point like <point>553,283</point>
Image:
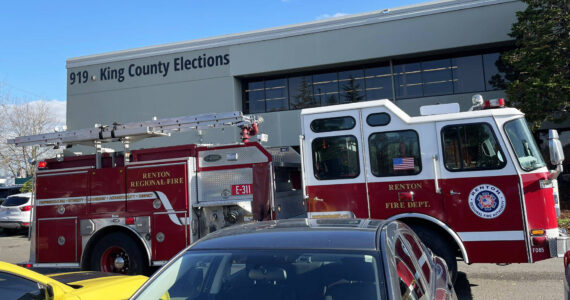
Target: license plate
<point>242,189</point>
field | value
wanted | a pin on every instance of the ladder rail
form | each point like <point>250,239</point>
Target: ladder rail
<point>137,130</point>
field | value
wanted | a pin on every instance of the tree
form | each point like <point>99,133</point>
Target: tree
<point>538,69</point>
<point>352,91</point>
<point>20,120</point>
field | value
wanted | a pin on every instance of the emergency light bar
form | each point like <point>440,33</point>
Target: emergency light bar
<point>494,103</point>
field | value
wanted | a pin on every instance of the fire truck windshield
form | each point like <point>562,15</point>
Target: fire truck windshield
<point>523,144</point>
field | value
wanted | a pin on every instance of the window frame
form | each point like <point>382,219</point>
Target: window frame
<point>315,172</point>
<point>420,165</point>
<point>504,164</point>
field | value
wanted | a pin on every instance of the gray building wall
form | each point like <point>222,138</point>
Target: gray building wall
<point>415,31</point>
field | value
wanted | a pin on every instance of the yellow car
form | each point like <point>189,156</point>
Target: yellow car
<point>20,283</point>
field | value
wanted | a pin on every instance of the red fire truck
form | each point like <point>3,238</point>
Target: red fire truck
<point>472,184</point>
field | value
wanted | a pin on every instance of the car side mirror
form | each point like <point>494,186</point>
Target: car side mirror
<point>555,147</point>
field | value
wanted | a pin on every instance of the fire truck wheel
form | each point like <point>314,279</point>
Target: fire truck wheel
<point>117,253</point>
<point>439,246</point>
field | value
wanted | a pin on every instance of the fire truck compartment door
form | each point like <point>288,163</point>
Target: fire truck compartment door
<point>481,191</point>
<point>57,240</point>
<point>169,237</point>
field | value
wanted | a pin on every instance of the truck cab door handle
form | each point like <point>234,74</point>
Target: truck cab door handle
<point>451,192</point>
<point>318,199</point>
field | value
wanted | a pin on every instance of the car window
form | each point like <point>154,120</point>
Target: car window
<point>269,275</point>
<point>16,201</point>
<point>15,287</point>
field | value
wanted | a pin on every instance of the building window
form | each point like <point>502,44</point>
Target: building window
<point>351,86</point>
<point>416,79</point>
<point>494,79</point>
<point>335,157</point>
<point>468,74</point>
<point>301,92</point>
<point>276,95</point>
<point>408,80</point>
<point>436,77</point>
<point>395,153</point>
<point>378,82</point>
<point>325,88</point>
<point>255,96</point>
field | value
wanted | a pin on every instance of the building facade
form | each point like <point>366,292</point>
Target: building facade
<point>435,52</point>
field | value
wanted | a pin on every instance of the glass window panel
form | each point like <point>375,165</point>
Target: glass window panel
<point>276,95</point>
<point>494,79</point>
<point>255,95</point>
<point>335,157</point>
<point>351,86</point>
<point>468,74</point>
<point>395,153</point>
<point>301,92</point>
<point>436,75</point>
<point>378,119</point>
<point>333,124</point>
<point>471,147</point>
<point>325,88</point>
<point>523,144</point>
<point>408,80</point>
<point>378,83</point>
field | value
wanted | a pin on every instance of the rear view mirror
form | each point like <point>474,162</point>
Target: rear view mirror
<point>555,147</point>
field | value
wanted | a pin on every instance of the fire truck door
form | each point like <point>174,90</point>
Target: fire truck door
<point>481,191</point>
<point>399,169</point>
<point>334,169</point>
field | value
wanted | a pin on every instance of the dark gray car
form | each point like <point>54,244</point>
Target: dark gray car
<point>304,259</point>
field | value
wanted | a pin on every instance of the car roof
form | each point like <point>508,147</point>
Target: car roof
<point>309,234</point>
<point>26,195</point>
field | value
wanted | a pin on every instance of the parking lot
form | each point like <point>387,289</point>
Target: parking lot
<point>542,280</point>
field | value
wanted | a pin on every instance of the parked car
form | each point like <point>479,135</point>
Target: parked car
<point>16,213</point>
<point>20,283</point>
<point>328,259</point>
<point>6,191</point>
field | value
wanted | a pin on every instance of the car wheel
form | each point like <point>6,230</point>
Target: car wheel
<point>118,253</point>
<point>439,246</point>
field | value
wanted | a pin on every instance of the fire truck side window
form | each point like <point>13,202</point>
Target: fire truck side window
<point>395,153</point>
<point>471,147</point>
<point>333,124</point>
<point>335,157</point>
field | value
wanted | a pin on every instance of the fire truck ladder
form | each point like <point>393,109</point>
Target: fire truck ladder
<point>135,131</point>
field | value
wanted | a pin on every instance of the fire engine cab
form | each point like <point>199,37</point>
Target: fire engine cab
<point>472,184</point>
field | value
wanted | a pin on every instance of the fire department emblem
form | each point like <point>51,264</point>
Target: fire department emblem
<point>487,201</point>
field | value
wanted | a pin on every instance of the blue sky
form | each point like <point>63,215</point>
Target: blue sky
<point>38,36</point>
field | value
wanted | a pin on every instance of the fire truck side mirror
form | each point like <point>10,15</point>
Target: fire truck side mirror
<point>555,147</point>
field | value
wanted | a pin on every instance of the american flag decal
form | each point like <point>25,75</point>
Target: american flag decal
<point>403,163</point>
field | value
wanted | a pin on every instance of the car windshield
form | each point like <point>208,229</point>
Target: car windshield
<point>15,201</point>
<point>268,275</point>
<point>523,144</point>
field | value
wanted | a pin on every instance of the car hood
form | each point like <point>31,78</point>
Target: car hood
<point>104,286</point>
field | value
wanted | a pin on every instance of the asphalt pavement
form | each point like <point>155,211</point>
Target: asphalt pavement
<point>541,280</point>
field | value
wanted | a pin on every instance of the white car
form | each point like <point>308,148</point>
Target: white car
<point>15,213</point>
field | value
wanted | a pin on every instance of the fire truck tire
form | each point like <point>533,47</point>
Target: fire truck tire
<point>440,247</point>
<point>118,253</point>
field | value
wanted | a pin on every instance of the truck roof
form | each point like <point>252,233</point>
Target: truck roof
<point>409,119</point>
